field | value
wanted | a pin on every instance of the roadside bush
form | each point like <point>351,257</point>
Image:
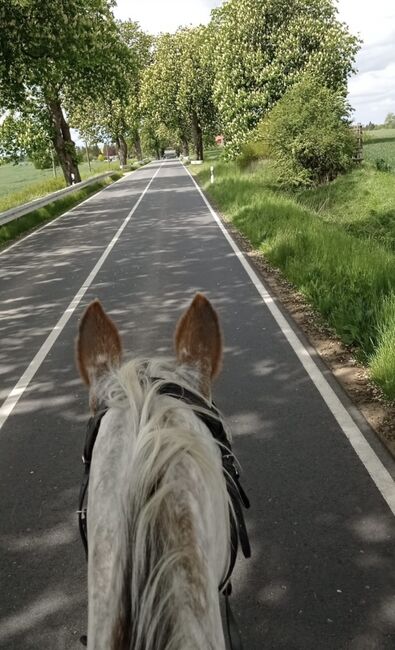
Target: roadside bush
<point>382,165</point>
<point>309,135</point>
<point>101,157</point>
<point>42,162</point>
<point>43,159</point>
<point>252,152</point>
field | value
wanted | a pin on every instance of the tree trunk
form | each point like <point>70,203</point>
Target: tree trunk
<point>137,146</point>
<point>63,144</point>
<point>185,146</point>
<point>197,136</point>
<point>122,150</point>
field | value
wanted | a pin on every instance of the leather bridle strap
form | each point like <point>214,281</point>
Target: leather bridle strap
<point>91,435</point>
<point>231,625</point>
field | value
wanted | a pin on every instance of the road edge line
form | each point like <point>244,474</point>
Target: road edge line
<point>17,391</point>
<point>375,468</point>
<point>68,212</point>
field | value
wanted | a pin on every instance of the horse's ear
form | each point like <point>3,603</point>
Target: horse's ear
<point>198,338</point>
<point>98,344</point>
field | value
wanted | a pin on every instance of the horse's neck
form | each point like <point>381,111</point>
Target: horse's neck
<point>196,577</point>
<point>189,528</point>
<point>200,622</point>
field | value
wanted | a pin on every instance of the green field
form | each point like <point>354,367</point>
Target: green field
<point>14,229</point>
<point>328,242</point>
<point>22,183</point>
<point>14,178</point>
<point>380,145</point>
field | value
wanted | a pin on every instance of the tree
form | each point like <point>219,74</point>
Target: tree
<point>261,47</point>
<point>116,116</point>
<point>50,49</point>
<point>140,46</point>
<point>158,137</point>
<point>389,122</point>
<point>26,137</point>
<point>194,96</point>
<point>159,90</point>
<point>177,87</point>
<point>309,134</point>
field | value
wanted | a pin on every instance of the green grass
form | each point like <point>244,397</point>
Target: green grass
<point>378,135</point>
<point>22,183</point>
<point>30,192</point>
<point>349,279</point>
<point>382,363</point>
<point>14,229</point>
<point>361,202</point>
<point>212,153</point>
<point>378,145</point>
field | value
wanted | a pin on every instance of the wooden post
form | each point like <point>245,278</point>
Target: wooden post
<point>53,162</point>
<point>359,149</point>
<point>87,155</point>
<point>360,143</point>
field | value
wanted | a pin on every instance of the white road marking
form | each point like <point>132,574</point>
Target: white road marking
<point>64,214</point>
<point>18,390</point>
<point>372,463</point>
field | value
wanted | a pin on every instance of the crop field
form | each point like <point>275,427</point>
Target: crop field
<point>380,145</point>
<point>22,183</point>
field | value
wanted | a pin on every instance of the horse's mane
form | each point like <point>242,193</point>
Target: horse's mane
<point>176,464</point>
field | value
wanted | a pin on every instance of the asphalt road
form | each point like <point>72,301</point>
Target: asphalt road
<point>322,571</point>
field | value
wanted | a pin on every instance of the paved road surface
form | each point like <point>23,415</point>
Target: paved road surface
<point>322,572</point>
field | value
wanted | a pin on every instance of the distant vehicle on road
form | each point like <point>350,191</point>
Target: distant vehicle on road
<point>169,154</point>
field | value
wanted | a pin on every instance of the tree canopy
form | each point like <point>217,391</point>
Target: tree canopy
<point>177,86</point>
<point>389,122</point>
<point>308,134</point>
<point>115,115</point>
<point>72,62</point>
<point>49,49</point>
<point>261,47</point>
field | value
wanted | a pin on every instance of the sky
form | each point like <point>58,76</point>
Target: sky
<point>372,89</point>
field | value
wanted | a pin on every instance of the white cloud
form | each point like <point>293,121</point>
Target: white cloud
<point>372,90</point>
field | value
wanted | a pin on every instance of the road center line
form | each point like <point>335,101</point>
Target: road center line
<point>379,474</point>
<point>19,388</point>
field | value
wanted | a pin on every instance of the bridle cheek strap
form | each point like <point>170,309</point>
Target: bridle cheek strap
<point>91,435</point>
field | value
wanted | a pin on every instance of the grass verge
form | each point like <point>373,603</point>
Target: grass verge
<point>349,280</point>
<point>14,229</point>
<point>382,363</point>
<point>361,202</point>
<point>22,183</point>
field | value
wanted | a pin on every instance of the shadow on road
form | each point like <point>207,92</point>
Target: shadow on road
<point>321,574</point>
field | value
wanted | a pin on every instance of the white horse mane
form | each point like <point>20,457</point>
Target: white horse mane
<point>167,502</point>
